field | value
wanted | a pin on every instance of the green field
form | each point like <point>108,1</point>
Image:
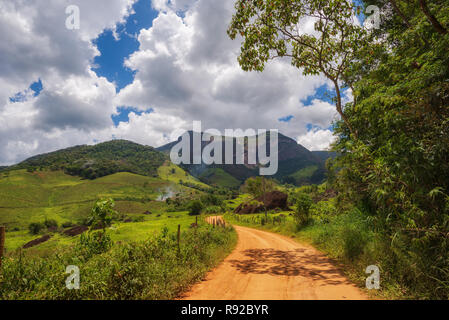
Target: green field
<point>35,197</point>
<point>175,174</point>
<point>219,177</point>
<point>144,259</point>
<point>304,173</point>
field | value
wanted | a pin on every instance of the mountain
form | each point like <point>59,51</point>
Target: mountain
<point>99,160</point>
<point>324,155</point>
<point>297,165</point>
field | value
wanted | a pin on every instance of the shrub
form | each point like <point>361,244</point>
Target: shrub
<point>323,211</point>
<point>302,209</point>
<point>93,243</point>
<point>50,223</point>
<point>102,213</point>
<point>36,227</point>
<point>195,207</point>
<point>211,200</point>
<point>354,243</point>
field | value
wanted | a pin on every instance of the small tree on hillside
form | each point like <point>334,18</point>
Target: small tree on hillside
<point>195,207</point>
<point>102,213</point>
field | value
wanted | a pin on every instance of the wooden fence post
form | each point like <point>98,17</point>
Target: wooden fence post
<point>2,243</point>
<point>179,237</point>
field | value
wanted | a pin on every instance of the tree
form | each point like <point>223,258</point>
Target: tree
<point>102,213</point>
<point>270,29</point>
<point>255,186</point>
<point>195,207</point>
<point>399,177</point>
<point>35,227</point>
<point>302,208</point>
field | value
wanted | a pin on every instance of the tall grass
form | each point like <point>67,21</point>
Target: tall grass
<point>151,269</point>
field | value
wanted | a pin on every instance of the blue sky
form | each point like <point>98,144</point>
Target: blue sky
<point>36,87</point>
<point>115,51</point>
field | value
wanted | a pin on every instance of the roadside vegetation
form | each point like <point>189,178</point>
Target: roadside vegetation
<point>159,265</point>
<point>347,234</point>
<point>390,177</point>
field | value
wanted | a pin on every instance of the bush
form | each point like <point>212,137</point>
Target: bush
<point>36,227</point>
<point>211,200</point>
<point>50,223</point>
<point>93,243</point>
<point>354,243</point>
<point>302,209</point>
<point>102,213</point>
<point>323,211</point>
<point>195,207</point>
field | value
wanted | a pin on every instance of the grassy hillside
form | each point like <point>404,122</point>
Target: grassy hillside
<point>98,160</point>
<point>171,172</point>
<point>139,257</point>
<point>304,174</point>
<point>154,267</point>
<point>33,197</point>
<point>219,177</point>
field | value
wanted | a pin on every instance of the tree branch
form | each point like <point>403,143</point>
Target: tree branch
<point>399,12</point>
<point>435,23</point>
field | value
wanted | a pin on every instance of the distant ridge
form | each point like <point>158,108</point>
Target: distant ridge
<point>297,165</point>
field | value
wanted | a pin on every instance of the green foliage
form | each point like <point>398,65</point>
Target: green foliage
<point>323,211</point>
<point>50,223</point>
<point>211,200</point>
<point>354,243</point>
<point>397,170</point>
<point>255,186</point>
<point>149,270</point>
<point>270,29</point>
<point>100,160</point>
<point>102,213</point>
<point>212,209</point>
<point>35,227</point>
<point>393,138</point>
<point>195,207</point>
<point>302,209</point>
<point>92,243</point>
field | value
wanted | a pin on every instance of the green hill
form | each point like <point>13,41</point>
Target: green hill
<point>99,160</point>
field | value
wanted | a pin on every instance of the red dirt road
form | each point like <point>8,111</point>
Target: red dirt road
<point>268,266</point>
